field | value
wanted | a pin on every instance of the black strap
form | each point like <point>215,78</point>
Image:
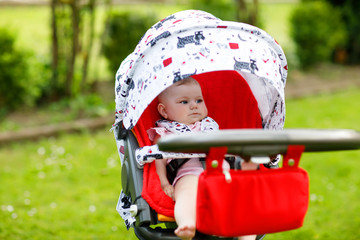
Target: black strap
<point>173,166</point>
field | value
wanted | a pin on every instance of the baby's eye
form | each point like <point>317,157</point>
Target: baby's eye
<point>199,101</point>
<point>184,102</point>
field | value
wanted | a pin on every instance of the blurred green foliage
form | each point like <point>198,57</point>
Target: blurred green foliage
<point>318,31</point>
<point>21,74</point>
<point>223,9</point>
<point>230,10</point>
<point>350,14</point>
<point>82,106</point>
<point>123,32</point>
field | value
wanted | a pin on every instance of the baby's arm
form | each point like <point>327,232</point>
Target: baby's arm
<point>161,171</point>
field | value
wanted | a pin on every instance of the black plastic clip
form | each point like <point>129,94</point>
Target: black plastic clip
<point>121,132</point>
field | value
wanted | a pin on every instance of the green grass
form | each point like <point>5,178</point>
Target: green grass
<point>64,188</point>
<point>67,187</point>
<point>334,176</point>
<point>340,110</point>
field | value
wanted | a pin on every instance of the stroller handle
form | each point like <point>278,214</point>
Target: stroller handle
<point>260,142</point>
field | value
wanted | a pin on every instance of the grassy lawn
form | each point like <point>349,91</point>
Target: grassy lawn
<point>334,178</point>
<point>64,188</point>
<point>67,187</point>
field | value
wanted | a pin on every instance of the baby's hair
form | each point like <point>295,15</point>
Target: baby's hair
<point>188,80</point>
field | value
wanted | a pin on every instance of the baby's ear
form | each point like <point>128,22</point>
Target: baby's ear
<point>162,110</point>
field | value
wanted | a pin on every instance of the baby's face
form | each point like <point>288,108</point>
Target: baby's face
<point>183,103</point>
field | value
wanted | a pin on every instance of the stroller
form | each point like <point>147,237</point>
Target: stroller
<point>242,72</point>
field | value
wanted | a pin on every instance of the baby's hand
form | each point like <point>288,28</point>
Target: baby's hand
<point>169,190</point>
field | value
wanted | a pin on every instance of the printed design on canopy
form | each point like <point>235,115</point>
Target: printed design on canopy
<point>193,42</point>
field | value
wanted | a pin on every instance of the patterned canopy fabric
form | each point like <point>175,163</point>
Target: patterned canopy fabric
<point>193,42</point>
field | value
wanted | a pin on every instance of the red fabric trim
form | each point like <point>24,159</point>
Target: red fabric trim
<point>218,154</point>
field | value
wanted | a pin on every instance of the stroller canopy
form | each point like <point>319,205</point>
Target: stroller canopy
<point>193,42</point>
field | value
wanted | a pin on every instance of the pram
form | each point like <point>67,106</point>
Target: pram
<point>242,72</point>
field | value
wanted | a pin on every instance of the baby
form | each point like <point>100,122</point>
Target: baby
<point>183,108</point>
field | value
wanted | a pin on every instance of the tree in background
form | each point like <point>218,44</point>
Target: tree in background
<point>72,40</point>
<point>223,9</point>
<point>230,10</point>
<point>248,12</point>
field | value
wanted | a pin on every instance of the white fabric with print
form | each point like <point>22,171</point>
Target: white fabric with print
<point>148,154</point>
<point>193,42</point>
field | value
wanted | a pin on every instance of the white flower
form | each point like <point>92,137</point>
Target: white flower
<point>10,208</point>
<point>41,151</point>
<point>32,212</point>
<point>313,197</point>
<point>92,208</point>
<point>111,162</point>
<point>41,175</point>
<point>60,150</point>
<point>330,186</point>
<point>27,201</point>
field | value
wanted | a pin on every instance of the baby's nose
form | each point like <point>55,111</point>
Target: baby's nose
<point>193,105</point>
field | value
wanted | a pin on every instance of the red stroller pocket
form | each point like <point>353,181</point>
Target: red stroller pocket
<point>252,202</point>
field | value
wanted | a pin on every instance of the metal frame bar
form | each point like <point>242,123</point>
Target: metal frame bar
<point>260,142</point>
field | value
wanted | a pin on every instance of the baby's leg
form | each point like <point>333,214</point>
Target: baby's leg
<point>249,166</point>
<point>185,206</point>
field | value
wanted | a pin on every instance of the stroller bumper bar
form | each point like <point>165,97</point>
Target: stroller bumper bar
<point>259,142</point>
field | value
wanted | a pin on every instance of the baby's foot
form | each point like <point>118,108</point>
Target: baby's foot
<point>186,232</point>
<point>249,237</point>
